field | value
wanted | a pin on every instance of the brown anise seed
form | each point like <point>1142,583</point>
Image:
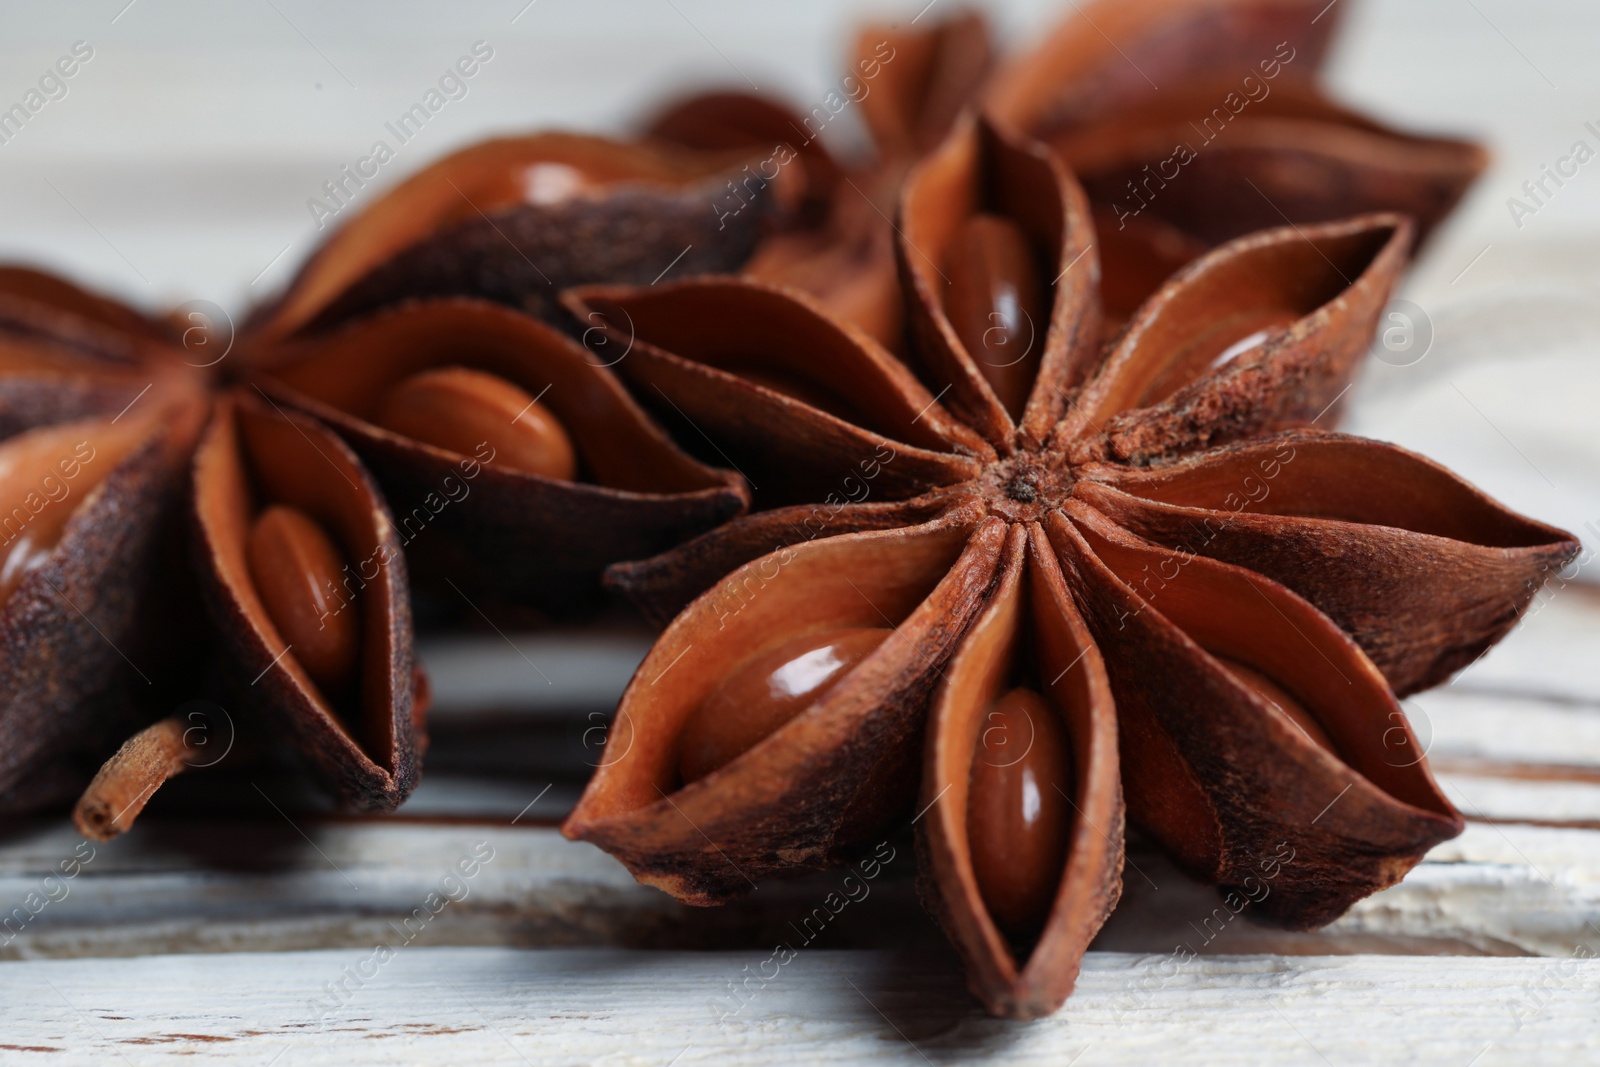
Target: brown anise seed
<point>521,183</point>
<point>296,569</point>
<point>46,473</point>
<point>1018,817</point>
<point>767,691</point>
<point>996,304</point>
<point>1280,698</point>
<point>31,548</point>
<point>1224,342</point>
<point>461,410</point>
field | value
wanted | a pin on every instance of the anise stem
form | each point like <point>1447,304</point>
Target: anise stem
<point>130,778</point>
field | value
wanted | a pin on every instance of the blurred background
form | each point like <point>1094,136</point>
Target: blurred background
<point>178,161</point>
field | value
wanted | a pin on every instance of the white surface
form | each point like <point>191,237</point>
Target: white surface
<point>496,1006</point>
<point>558,673</point>
<point>1498,889</point>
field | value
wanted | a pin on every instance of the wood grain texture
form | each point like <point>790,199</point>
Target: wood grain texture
<point>502,1006</point>
<point>204,886</point>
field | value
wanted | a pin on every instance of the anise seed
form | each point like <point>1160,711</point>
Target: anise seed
<point>767,691</point>
<point>1017,812</point>
<point>460,410</point>
<point>294,565</point>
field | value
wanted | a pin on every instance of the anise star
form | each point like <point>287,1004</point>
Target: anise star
<point>199,549</point>
<point>1191,122</point>
<point>908,83</point>
<point>173,543</point>
<point>1188,122</point>
<point>1147,577</point>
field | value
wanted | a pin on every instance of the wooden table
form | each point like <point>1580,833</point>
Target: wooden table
<point>239,923</point>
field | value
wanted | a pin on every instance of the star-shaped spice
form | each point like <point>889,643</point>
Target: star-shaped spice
<point>1032,577</point>
<point>905,83</point>
<point>1191,122</point>
<point>180,527</point>
<point>1188,122</point>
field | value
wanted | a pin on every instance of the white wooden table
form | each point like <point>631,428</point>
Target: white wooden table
<point>177,167</point>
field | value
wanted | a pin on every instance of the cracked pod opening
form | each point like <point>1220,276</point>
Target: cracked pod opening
<point>516,220</point>
<point>438,398</point>
<point>1214,763</point>
<point>996,245</point>
<point>303,575</point>
<point>1239,304</point>
<point>849,635</point>
<point>1023,829</point>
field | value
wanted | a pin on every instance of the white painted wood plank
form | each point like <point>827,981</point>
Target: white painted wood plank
<point>495,1006</point>
<point>1525,801</point>
<point>1497,889</point>
<point>556,674</point>
<point>214,886</point>
<point>1553,650</point>
<point>1462,725</point>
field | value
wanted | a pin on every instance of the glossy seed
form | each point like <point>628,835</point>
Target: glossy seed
<point>1018,815</point>
<point>542,184</point>
<point>297,571</point>
<point>45,474</point>
<point>1216,347</point>
<point>996,303</point>
<point>767,691</point>
<point>479,414</point>
<point>30,549</point>
<point>1280,698</point>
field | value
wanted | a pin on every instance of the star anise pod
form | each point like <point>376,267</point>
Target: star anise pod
<point>137,490</point>
<point>180,530</point>
<point>908,83</point>
<point>1048,576</point>
<point>1191,122</point>
<point>517,219</point>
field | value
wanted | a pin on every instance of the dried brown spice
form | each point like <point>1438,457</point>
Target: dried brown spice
<point>139,508</point>
<point>374,364</point>
<point>517,219</point>
<point>1191,122</point>
<point>1155,583</point>
<point>908,84</point>
<point>229,544</point>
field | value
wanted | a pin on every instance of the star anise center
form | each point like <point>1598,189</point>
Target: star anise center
<point>1026,486</point>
